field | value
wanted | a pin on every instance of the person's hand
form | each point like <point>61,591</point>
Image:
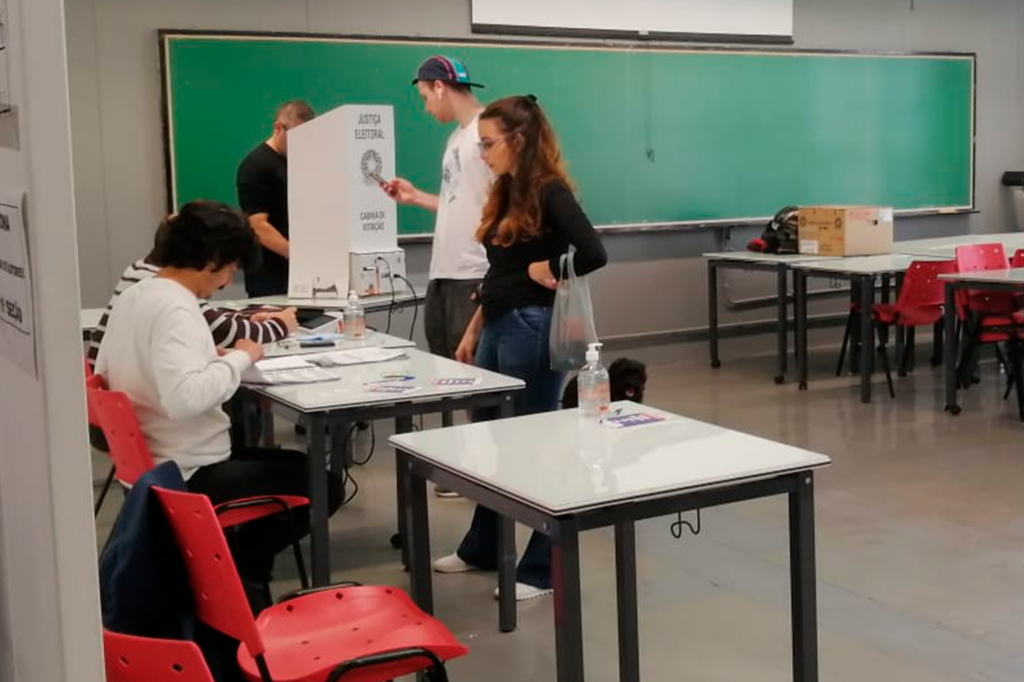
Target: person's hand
<point>540,272</point>
<point>401,190</point>
<point>466,351</point>
<point>288,318</point>
<point>250,348</point>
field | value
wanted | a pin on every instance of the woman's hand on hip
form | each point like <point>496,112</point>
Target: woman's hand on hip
<point>540,272</point>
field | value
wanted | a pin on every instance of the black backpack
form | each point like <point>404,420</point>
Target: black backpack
<point>780,236</point>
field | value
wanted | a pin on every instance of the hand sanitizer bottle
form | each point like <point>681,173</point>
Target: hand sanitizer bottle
<point>594,387</point>
<point>354,319</point>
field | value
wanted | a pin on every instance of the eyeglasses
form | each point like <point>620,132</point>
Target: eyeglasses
<point>488,145</point>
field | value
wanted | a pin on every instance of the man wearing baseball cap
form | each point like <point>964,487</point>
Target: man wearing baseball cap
<point>458,262</point>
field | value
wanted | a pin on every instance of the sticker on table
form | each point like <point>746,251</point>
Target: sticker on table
<point>638,419</point>
<point>458,381</point>
<point>393,389</point>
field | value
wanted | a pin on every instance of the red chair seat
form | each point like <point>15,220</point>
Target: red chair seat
<point>262,507</point>
<point>911,316</point>
<point>307,637</point>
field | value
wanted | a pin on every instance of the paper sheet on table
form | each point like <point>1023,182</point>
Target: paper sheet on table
<point>286,370</point>
<point>355,356</point>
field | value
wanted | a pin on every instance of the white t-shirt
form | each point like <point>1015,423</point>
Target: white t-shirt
<point>158,350</point>
<point>465,184</point>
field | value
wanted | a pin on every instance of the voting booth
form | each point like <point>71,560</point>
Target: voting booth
<point>343,229</point>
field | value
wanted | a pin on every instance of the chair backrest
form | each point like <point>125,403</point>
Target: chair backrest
<point>1018,259</point>
<point>974,257</point>
<point>220,601</point>
<point>143,659</point>
<point>922,286</point>
<point>114,412</point>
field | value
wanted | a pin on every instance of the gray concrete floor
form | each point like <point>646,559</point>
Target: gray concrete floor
<point>920,538</point>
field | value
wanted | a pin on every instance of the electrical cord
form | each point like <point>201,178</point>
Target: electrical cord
<point>373,444</point>
<point>391,276</point>
<point>677,526</point>
<point>415,307</point>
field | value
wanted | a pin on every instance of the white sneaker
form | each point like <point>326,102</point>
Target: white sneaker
<point>526,592</point>
<point>453,564</point>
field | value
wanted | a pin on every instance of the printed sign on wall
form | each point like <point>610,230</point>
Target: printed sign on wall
<point>17,336</point>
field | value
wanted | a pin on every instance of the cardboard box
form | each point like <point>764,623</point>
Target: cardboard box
<point>845,230</point>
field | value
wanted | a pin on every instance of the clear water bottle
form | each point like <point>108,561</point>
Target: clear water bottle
<point>594,387</point>
<point>354,319</point>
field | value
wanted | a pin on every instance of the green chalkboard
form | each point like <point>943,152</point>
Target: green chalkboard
<point>652,136</point>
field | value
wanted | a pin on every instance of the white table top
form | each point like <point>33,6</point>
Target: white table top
<point>946,246</point>
<point>90,318</point>
<point>756,257</point>
<point>865,265</point>
<point>557,463</point>
<point>1009,276</point>
<point>353,384</point>
<point>290,346</point>
<point>369,303</point>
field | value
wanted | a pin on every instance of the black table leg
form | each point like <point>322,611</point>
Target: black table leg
<point>506,574</point>
<point>266,422</point>
<point>418,535</point>
<point>800,313</point>
<point>625,582</point>
<point>901,331</point>
<point>402,425</point>
<point>565,575</point>
<point>855,338</point>
<point>803,588</point>
<point>949,349</point>
<point>316,426</point>
<point>713,313</point>
<point>506,551</point>
<point>782,332</point>
<point>867,340</point>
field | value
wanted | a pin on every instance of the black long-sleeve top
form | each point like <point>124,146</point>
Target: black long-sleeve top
<point>507,284</point>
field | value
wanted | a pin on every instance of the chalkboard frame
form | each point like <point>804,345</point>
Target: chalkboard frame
<point>165,35</point>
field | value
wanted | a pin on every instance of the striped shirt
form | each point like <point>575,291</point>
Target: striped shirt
<point>227,326</point>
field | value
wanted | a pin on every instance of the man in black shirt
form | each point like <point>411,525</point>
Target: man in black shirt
<point>263,196</point>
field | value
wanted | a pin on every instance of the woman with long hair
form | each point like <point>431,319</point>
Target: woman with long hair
<point>530,220</point>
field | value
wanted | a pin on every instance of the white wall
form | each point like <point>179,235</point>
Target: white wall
<point>49,605</point>
<point>117,135</point>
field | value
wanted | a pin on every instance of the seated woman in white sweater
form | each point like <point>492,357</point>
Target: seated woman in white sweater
<point>158,350</point>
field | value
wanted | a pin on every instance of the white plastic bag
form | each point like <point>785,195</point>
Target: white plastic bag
<point>572,321</point>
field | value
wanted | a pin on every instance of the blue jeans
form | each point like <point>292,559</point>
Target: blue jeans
<point>516,345</point>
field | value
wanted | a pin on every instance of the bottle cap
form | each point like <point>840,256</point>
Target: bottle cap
<point>594,352</point>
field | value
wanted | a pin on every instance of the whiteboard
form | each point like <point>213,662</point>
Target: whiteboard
<point>764,19</point>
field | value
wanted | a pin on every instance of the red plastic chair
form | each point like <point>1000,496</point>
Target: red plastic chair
<point>96,438</point>
<point>132,458</point>
<point>143,659</point>
<point>979,257</point>
<point>987,317</point>
<point>919,303</point>
<point>351,633</point>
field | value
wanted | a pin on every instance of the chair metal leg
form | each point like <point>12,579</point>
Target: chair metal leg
<point>1017,361</point>
<point>103,491</point>
<point>846,343</point>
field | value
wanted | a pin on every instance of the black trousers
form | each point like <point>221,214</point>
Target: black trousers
<point>252,472</point>
<point>449,308</point>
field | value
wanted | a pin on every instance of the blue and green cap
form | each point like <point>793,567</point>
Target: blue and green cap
<point>446,70</point>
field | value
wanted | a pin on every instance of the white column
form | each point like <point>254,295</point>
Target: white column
<point>49,606</point>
